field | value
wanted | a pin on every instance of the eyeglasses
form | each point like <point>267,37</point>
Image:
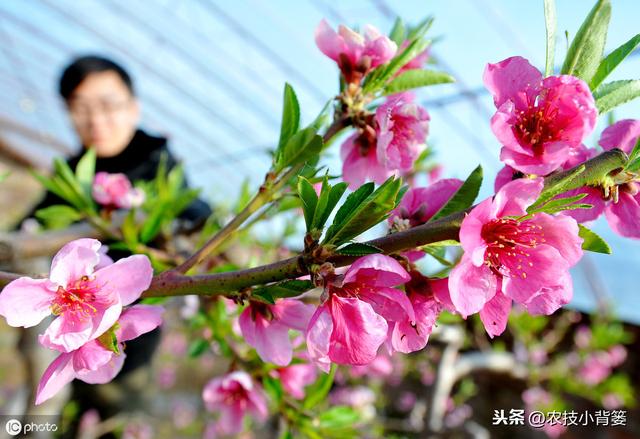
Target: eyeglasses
<point>82,110</point>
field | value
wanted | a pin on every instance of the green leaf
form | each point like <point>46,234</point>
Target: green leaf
<point>421,29</point>
<point>633,164</point>
<point>328,200</point>
<point>153,222</point>
<point>585,51</point>
<point>551,23</point>
<point>318,391</point>
<point>417,78</point>
<point>290,115</point>
<point>309,200</point>
<point>67,179</point>
<point>612,61</point>
<point>438,255</point>
<point>130,230</point>
<point>464,197</point>
<point>339,418</point>
<point>592,241</point>
<point>58,216</point>
<point>281,290</point>
<point>612,94</point>
<point>555,205</point>
<point>554,187</point>
<point>273,387</point>
<point>198,347</point>
<point>85,171</point>
<point>444,243</point>
<point>358,249</point>
<point>635,152</point>
<point>109,341</point>
<point>376,79</point>
<point>398,32</point>
<point>301,147</point>
<point>351,203</point>
<point>359,214</point>
<point>4,175</point>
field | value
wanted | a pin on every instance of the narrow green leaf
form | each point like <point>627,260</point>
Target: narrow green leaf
<point>612,61</point>
<point>417,78</point>
<point>290,115</point>
<point>592,241</point>
<point>612,94</point>
<point>130,230</point>
<point>438,255</point>
<point>273,387</point>
<point>635,152</point>
<point>198,347</point>
<point>464,197</point>
<point>585,51</point>
<point>263,295</point>
<point>421,29</point>
<point>301,147</point>
<point>328,201</point>
<point>290,288</point>
<point>109,340</point>
<point>153,222</point>
<point>445,243</point>
<point>382,74</point>
<point>58,216</point>
<point>309,200</point>
<point>339,418</point>
<point>50,184</point>
<point>551,23</point>
<point>355,220</point>
<point>352,202</point>
<point>358,249</point>
<point>66,179</point>
<point>554,204</point>
<point>85,171</point>
<point>398,32</point>
<point>555,187</point>
<point>318,391</point>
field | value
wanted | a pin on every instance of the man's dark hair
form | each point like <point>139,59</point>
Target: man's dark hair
<point>84,66</point>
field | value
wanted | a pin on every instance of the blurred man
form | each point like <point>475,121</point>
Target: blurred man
<point>105,113</point>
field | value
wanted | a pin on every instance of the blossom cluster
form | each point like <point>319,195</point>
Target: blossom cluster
<point>90,299</point>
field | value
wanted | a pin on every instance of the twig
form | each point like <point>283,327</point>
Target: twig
<point>264,196</point>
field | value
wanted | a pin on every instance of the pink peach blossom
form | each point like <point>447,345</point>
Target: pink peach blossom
<point>266,327</point>
<point>419,204</point>
<point>355,53</point>
<point>295,377</point>
<point>538,119</point>
<point>402,128</point>
<point>86,301</point>
<point>510,257</point>
<point>94,362</point>
<point>360,162</point>
<point>350,326</point>
<point>622,214</point>
<point>426,297</point>
<point>115,190</point>
<point>233,396</point>
<point>380,367</point>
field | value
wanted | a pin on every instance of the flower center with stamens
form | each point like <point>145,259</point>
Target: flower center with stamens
<point>536,125</point>
<point>76,299</point>
<point>509,243</point>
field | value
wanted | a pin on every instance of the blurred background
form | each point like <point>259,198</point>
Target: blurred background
<point>210,78</point>
<point>210,74</point>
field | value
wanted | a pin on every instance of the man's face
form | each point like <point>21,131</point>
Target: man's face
<point>104,113</point>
